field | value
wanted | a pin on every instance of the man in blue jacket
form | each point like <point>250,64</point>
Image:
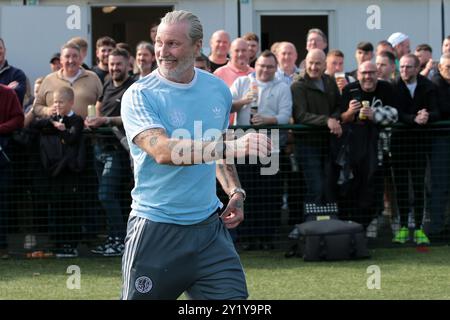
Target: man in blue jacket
<point>10,76</point>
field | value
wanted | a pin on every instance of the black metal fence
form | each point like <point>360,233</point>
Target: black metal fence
<point>385,179</point>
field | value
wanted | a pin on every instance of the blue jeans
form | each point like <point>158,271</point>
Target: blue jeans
<point>109,166</point>
<point>311,160</point>
<point>440,176</point>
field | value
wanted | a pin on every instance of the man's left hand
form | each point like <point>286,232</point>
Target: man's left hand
<point>233,214</point>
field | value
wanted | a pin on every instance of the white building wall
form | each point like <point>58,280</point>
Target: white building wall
<point>421,19</point>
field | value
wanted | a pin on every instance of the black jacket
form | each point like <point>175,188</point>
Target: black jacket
<point>424,97</point>
<point>61,150</point>
<point>312,106</point>
<point>443,96</point>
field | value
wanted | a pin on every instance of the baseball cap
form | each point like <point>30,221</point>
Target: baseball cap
<point>55,56</point>
<point>397,38</point>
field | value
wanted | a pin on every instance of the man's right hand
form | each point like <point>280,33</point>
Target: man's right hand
<point>251,144</point>
<point>341,83</point>
<point>354,106</point>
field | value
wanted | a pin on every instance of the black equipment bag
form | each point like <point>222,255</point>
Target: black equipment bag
<point>329,240</point>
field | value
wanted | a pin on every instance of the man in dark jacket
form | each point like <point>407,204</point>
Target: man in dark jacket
<point>362,195</point>
<point>11,118</point>
<point>440,152</point>
<point>316,102</point>
<point>10,76</point>
<point>417,106</point>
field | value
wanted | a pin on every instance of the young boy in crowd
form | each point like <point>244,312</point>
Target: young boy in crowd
<point>62,156</point>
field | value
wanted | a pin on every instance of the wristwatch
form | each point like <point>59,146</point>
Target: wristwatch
<point>237,190</point>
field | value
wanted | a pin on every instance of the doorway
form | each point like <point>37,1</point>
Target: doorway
<point>129,24</point>
<point>292,28</point>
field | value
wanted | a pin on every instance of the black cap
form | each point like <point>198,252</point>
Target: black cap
<point>55,56</point>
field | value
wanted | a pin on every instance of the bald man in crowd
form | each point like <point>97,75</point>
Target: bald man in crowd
<point>286,54</point>
<point>316,100</point>
<point>220,45</point>
<point>362,195</point>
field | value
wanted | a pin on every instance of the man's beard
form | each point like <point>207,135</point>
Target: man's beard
<point>119,76</point>
<point>176,73</point>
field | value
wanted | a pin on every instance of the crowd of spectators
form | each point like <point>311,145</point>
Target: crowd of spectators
<point>357,160</point>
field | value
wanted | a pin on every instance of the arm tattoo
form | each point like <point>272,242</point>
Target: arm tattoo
<point>151,135</point>
<point>153,141</point>
<point>227,176</point>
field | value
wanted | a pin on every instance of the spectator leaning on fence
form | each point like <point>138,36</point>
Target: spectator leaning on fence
<point>316,101</point>
<point>86,84</point>
<point>362,194</point>
<point>11,119</point>
<point>273,106</point>
<point>417,106</point>
<point>110,157</point>
<point>440,152</point>
<point>11,76</point>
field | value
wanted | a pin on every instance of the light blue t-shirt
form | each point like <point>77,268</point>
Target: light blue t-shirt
<point>198,111</point>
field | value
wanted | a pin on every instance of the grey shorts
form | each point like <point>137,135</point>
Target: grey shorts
<point>162,260</point>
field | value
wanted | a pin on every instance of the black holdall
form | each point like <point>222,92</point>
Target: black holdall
<point>326,238</point>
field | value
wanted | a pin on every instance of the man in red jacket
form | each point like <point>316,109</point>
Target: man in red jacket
<point>11,118</point>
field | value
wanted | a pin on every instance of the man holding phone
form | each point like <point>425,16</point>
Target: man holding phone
<point>363,197</point>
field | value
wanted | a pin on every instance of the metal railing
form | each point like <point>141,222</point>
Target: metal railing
<point>379,187</point>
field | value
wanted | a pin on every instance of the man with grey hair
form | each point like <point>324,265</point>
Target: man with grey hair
<point>175,121</point>
<point>316,101</point>
<point>145,58</point>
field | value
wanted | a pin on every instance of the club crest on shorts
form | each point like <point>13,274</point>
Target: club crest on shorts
<point>143,284</point>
